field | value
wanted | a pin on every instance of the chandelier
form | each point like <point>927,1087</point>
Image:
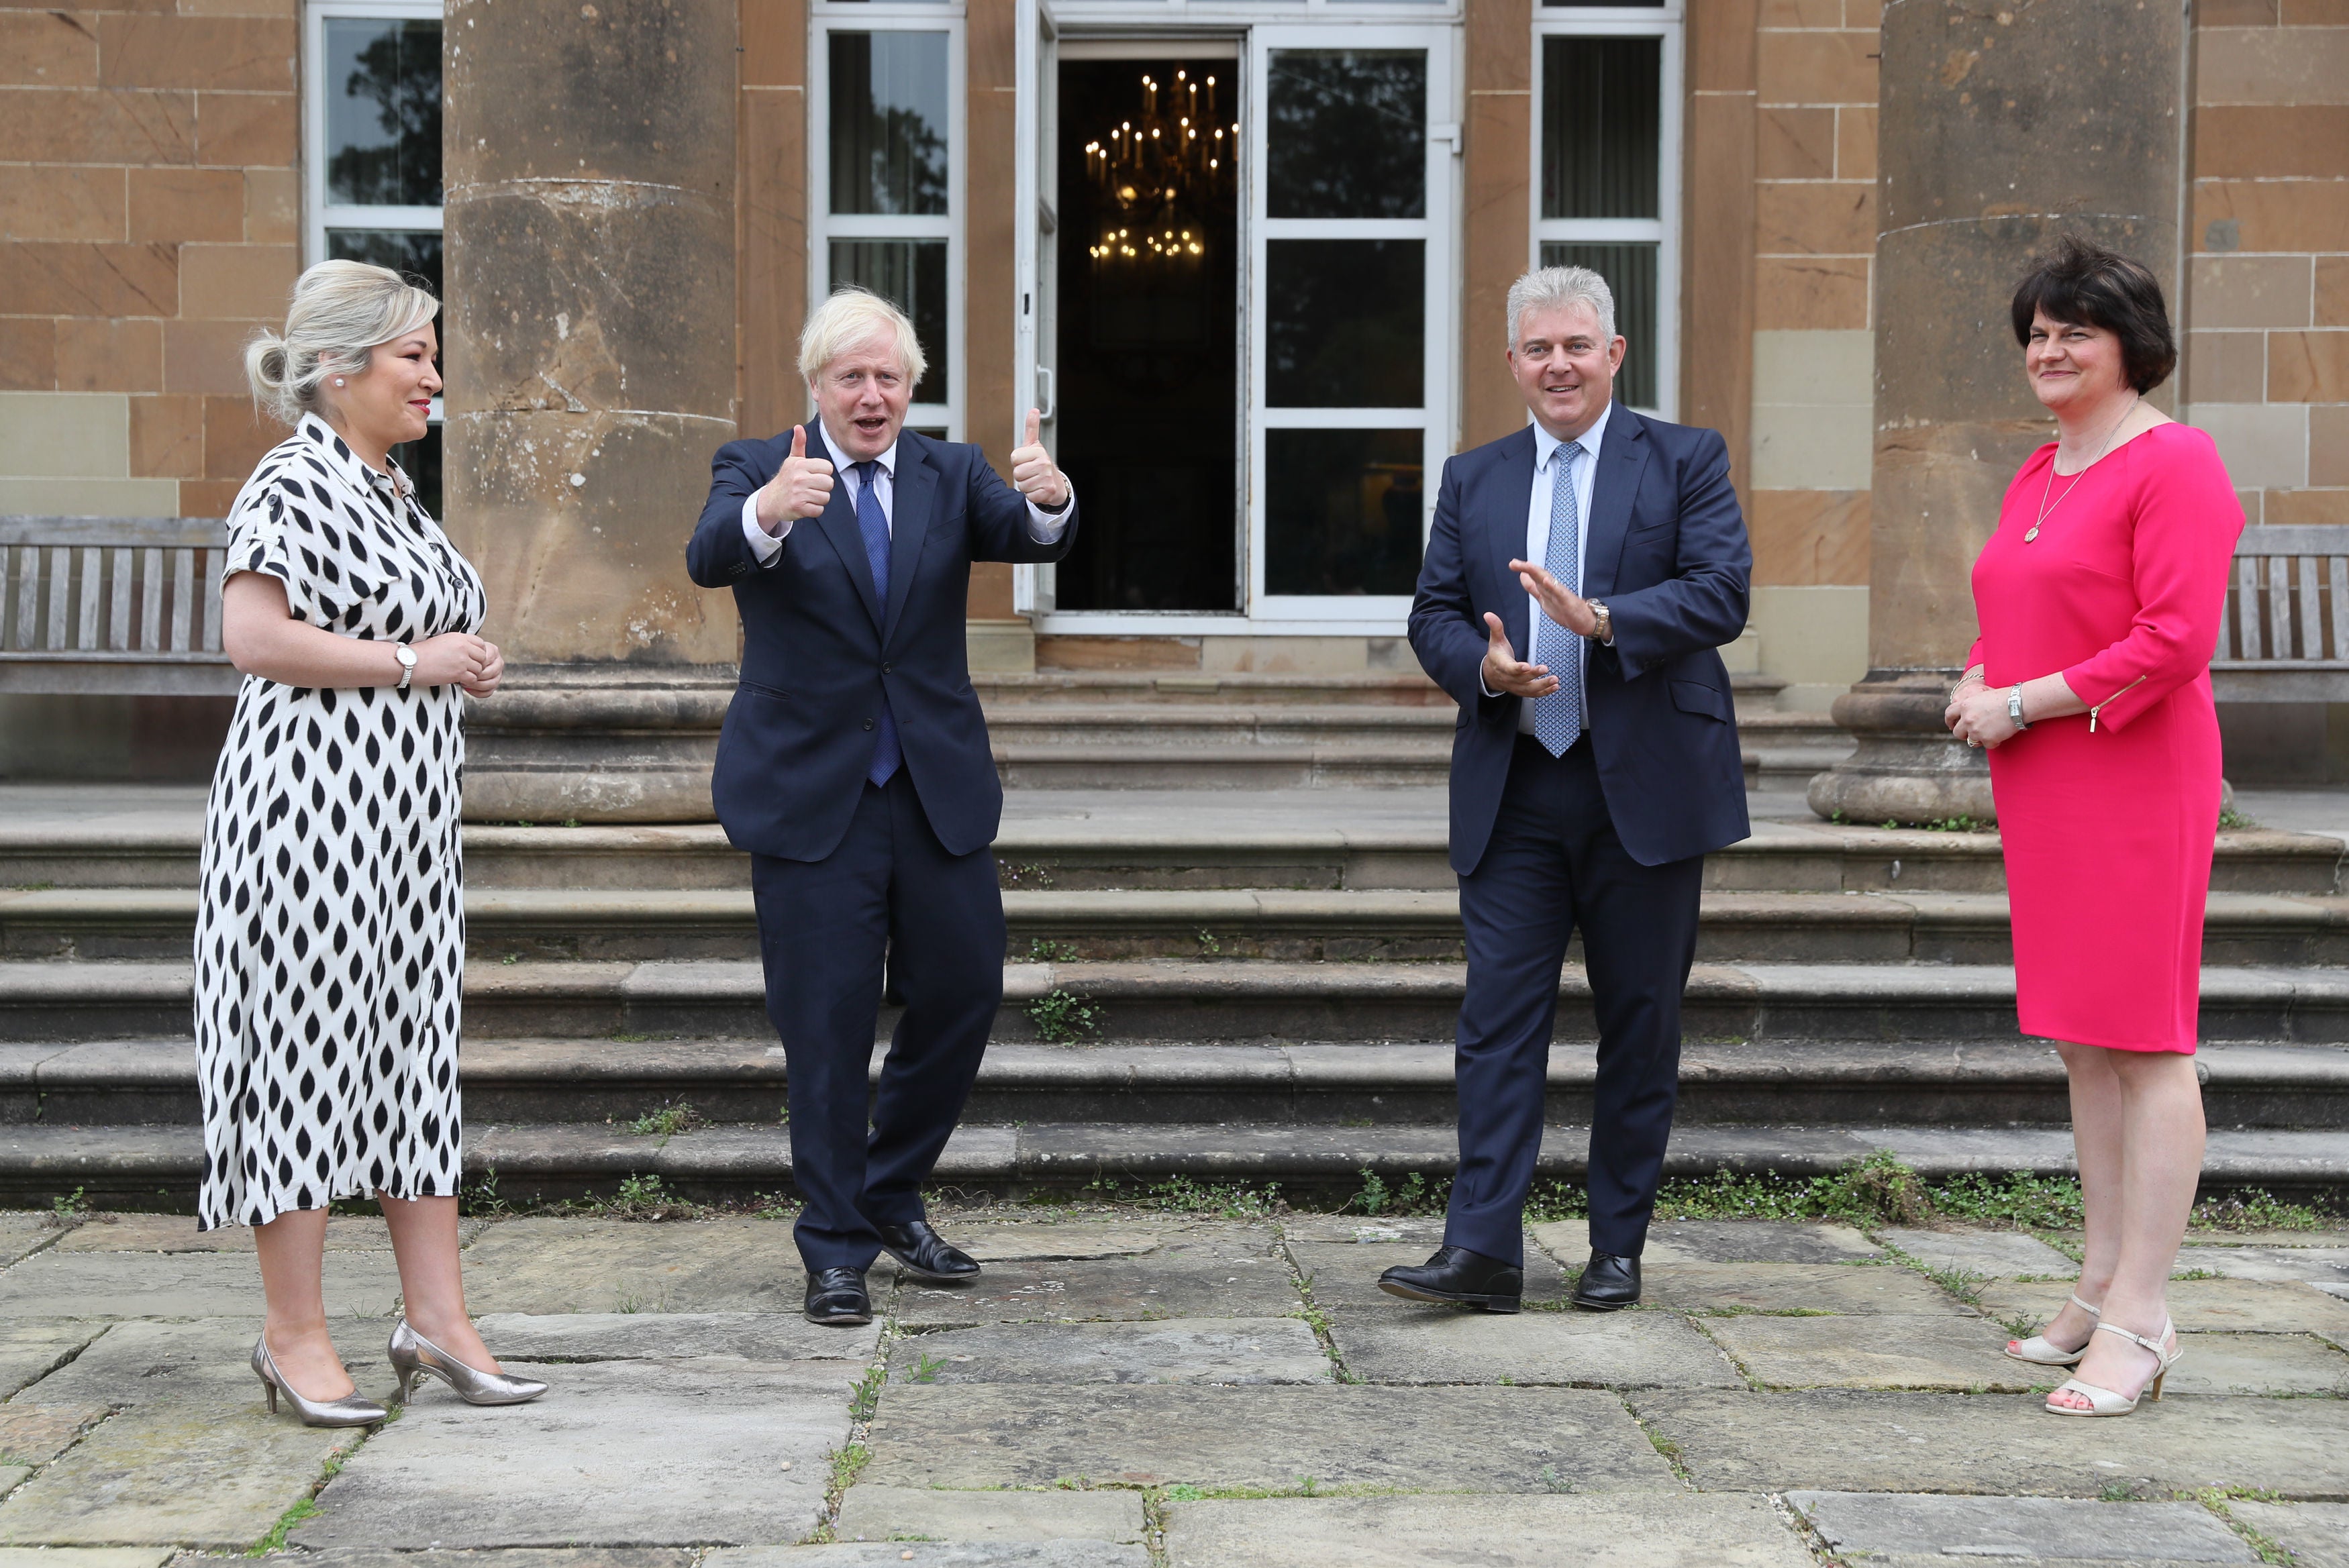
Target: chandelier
<point>1154,173</point>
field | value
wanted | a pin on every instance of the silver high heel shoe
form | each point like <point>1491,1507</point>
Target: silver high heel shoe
<point>413,1357</point>
<point>350,1410</point>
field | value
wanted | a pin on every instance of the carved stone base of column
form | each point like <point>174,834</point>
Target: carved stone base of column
<point>596,743</point>
<point>1907,766</point>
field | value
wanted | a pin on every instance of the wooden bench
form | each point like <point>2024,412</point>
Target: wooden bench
<point>2286,635</point>
<point>113,606</point>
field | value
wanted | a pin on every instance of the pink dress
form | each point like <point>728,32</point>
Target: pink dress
<point>2108,818</point>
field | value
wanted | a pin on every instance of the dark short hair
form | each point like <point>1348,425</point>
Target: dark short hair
<point>2085,284</point>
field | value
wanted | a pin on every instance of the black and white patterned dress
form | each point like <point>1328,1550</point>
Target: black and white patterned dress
<point>330,930</point>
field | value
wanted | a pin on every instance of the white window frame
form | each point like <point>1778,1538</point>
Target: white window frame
<point>824,18</point>
<point>319,215</point>
<point>1665,22</point>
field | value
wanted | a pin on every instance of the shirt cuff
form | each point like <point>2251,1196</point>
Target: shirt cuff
<point>765,546</point>
<point>1046,527</point>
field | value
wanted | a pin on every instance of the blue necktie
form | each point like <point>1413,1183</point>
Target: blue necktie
<point>872,523</point>
<point>1557,718</point>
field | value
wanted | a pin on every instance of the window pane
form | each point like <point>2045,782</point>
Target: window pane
<point>1349,134</point>
<point>1600,126</point>
<point>889,122</point>
<point>381,82</point>
<point>1630,269</point>
<point>912,274</point>
<point>1587,3</point>
<point>1341,512</point>
<point>1345,324</point>
<point>420,460</point>
<point>414,253</point>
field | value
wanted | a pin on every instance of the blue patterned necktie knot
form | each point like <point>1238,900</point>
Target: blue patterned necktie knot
<point>872,527</point>
<point>1557,718</point>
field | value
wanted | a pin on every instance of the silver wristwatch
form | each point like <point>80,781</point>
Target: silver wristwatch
<point>2015,707</point>
<point>1605,631</point>
<point>407,657</point>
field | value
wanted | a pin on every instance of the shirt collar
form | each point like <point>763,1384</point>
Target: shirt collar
<point>1545,445</point>
<point>354,468</point>
<point>887,460</point>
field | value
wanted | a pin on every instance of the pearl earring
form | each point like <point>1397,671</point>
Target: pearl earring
<point>338,381</point>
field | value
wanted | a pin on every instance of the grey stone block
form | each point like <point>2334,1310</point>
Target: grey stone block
<point>1003,1242</point>
<point>1869,1525</point>
<point>643,1336</point>
<point>1958,1353</point>
<point>1404,1342</point>
<point>173,1473</point>
<point>30,1348</point>
<point>2315,1534</point>
<point>1344,1275</point>
<point>2199,1306</point>
<point>1737,1242</point>
<point>563,1267</point>
<point>2258,1364</point>
<point>36,1434</point>
<point>645,1452</point>
<point>181,1285</point>
<point>1838,1440</point>
<point>1436,1439</point>
<point>85,1557</point>
<point>23,1234</point>
<point>494,1557</point>
<point>1866,1289</point>
<point>177,1233</point>
<point>892,1513</point>
<point>1179,1350</point>
<point>1219,1273</point>
<point>1998,1255</point>
<point>950,1554</point>
<point>146,1361</point>
<point>1676,1532</point>
<point>1425,1234</point>
<point>2314,1265</point>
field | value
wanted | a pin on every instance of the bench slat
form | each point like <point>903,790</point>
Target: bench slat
<point>151,603</point>
<point>163,532</point>
<point>60,575</point>
<point>117,621</point>
<point>215,559</point>
<point>2311,625</point>
<point>2248,643</point>
<point>183,582</point>
<point>28,594</point>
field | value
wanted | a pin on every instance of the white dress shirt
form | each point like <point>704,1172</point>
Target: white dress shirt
<point>1043,527</point>
<point>1537,509</point>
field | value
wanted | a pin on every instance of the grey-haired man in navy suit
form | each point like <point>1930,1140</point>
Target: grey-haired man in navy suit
<point>1589,777</point>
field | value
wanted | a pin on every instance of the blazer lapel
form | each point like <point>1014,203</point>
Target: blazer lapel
<point>837,522</point>
<point>1503,522</point>
<point>918,484</point>
<point>1622,458</point>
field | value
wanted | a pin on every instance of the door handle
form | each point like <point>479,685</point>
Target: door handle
<point>1046,390</point>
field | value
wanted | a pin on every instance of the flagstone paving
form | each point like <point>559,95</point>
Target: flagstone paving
<point>1128,1388</point>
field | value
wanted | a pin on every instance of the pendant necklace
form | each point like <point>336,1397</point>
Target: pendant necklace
<point>2045,509</point>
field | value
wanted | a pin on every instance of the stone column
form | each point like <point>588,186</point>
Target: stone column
<point>591,350</point>
<point>2000,129</point>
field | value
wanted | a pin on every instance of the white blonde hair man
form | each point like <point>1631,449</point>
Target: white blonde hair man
<point>854,767</point>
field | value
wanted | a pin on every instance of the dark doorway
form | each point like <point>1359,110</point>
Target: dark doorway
<point>1148,359</point>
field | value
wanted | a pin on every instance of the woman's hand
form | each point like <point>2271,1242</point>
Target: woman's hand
<point>458,658</point>
<point>1978,716</point>
<point>1971,679</point>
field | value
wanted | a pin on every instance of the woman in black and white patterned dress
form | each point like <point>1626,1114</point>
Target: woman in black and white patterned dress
<point>330,930</point>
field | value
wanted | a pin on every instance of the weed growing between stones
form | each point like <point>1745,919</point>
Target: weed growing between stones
<point>307,1506</point>
<point>1417,1195</point>
<point>480,1198</point>
<point>668,1120</point>
<point>639,1198</point>
<point>927,1366</point>
<point>69,1209</point>
<point>2216,1500</point>
<point>1041,951</point>
<point>1318,1321</point>
<point>2251,1210</point>
<point>1061,1016</point>
<point>1182,1195</point>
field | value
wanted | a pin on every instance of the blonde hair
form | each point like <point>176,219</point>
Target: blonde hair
<point>1557,288</point>
<point>853,316</point>
<point>341,311</point>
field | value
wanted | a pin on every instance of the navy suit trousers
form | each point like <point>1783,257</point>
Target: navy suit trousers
<point>1555,864</point>
<point>890,894</point>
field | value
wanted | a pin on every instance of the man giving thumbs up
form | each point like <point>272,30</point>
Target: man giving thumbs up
<point>855,769</point>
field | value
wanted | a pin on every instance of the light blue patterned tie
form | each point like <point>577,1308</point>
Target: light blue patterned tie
<point>1557,718</point>
<point>873,524</point>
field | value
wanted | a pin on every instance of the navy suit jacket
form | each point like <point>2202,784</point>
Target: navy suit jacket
<point>1666,550</point>
<point>820,648</point>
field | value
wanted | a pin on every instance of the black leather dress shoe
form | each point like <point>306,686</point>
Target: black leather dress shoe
<point>926,1254</point>
<point>1608,1283</point>
<point>1458,1275</point>
<point>838,1296</point>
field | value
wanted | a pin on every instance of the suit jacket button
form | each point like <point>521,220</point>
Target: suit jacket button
<point>868,724</point>
<point>888,669</point>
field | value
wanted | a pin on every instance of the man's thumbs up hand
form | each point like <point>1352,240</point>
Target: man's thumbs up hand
<point>1504,674</point>
<point>800,488</point>
<point>1033,472</point>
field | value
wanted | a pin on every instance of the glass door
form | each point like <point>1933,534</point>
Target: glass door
<point>1035,201</point>
<point>1350,322</point>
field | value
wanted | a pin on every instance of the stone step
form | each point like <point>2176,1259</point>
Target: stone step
<point>1305,1084</point>
<point>1170,1000</point>
<point>1048,845</point>
<point>1002,691</point>
<point>134,1167</point>
<point>1280,925</point>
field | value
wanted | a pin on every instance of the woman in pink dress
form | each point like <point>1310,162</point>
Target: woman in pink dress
<point>2100,599</point>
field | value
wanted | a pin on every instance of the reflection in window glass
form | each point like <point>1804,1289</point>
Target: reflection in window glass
<point>912,274</point>
<point>412,254</point>
<point>1344,325</point>
<point>381,82</point>
<point>1341,512</point>
<point>1630,269</point>
<point>1601,127</point>
<point>420,462</point>
<point>1348,134</point>
<point>889,123</point>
